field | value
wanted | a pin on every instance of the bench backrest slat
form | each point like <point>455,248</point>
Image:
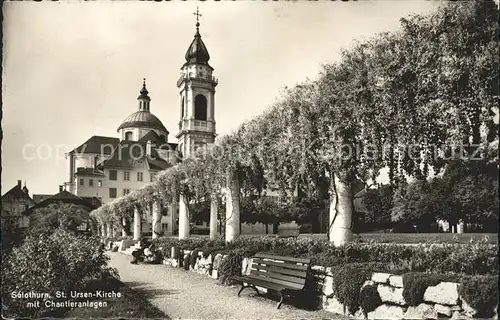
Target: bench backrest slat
<point>279,276</point>
<point>285,259</point>
<point>281,264</point>
<point>292,285</point>
<point>285,271</point>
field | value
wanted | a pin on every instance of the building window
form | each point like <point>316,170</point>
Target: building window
<point>153,176</point>
<point>200,107</point>
<point>113,174</point>
<point>164,226</point>
<point>182,108</point>
<point>91,183</point>
<point>164,212</point>
<point>129,135</point>
<point>112,192</point>
<point>99,183</point>
<point>139,176</point>
<point>126,176</point>
<point>126,191</point>
<point>81,182</point>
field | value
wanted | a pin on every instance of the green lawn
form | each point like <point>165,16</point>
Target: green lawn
<point>405,238</point>
<point>412,238</point>
<point>131,304</point>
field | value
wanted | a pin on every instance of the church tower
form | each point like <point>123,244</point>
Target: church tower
<point>197,97</point>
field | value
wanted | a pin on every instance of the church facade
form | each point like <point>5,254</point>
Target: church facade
<point>111,167</point>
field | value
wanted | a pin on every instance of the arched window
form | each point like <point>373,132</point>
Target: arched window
<point>129,135</point>
<point>200,107</point>
<point>182,108</point>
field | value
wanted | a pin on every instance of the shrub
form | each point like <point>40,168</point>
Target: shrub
<point>369,298</point>
<point>415,284</point>
<point>348,280</point>
<point>114,249</point>
<point>186,261</point>
<point>62,261</point>
<point>193,258</point>
<point>230,266</point>
<point>481,293</point>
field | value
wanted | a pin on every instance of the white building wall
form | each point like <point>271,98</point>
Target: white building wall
<point>258,228</point>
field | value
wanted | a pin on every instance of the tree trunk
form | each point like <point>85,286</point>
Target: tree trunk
<point>103,230</point>
<point>109,233</point>
<point>183,218</point>
<point>124,226</point>
<point>267,228</point>
<point>213,218</point>
<point>233,207</point>
<point>137,224</point>
<point>341,212</point>
<point>156,223</point>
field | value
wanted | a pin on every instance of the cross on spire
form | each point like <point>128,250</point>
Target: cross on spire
<point>198,15</point>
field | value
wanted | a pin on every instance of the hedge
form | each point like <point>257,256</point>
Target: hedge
<point>415,284</point>
<point>481,293</point>
<point>475,258</point>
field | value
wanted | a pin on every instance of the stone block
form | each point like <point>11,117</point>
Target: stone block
<point>443,293</point>
<point>246,266</point>
<point>467,309</point>
<point>422,311</point>
<point>396,281</point>
<point>318,268</point>
<point>261,289</point>
<point>442,309</point>
<point>381,277</point>
<point>215,274</point>
<point>217,261</point>
<point>359,315</point>
<point>333,305</point>
<point>459,316</point>
<point>387,312</point>
<point>328,286</point>
<point>391,294</point>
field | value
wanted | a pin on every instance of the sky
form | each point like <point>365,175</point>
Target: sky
<point>74,69</point>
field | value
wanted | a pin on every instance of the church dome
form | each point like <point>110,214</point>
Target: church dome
<point>142,119</point>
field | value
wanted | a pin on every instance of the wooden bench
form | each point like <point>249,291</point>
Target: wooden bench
<point>285,275</point>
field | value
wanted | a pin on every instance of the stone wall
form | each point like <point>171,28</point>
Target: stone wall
<point>440,301</point>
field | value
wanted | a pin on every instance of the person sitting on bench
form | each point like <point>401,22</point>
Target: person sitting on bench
<point>151,255</point>
<point>138,254</point>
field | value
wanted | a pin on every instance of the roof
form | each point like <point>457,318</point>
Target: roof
<point>142,119</point>
<point>16,193</point>
<point>39,197</point>
<point>153,137</point>
<point>197,53</point>
<point>89,172</point>
<point>95,201</point>
<point>97,144</point>
<point>65,197</point>
<point>127,153</point>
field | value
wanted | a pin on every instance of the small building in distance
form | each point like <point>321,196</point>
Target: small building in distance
<point>15,203</point>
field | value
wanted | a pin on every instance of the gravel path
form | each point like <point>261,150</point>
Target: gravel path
<point>188,295</point>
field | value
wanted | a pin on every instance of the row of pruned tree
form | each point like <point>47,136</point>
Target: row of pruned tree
<point>406,101</point>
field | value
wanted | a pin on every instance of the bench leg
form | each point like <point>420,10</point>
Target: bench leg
<point>248,286</point>
<point>281,300</point>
